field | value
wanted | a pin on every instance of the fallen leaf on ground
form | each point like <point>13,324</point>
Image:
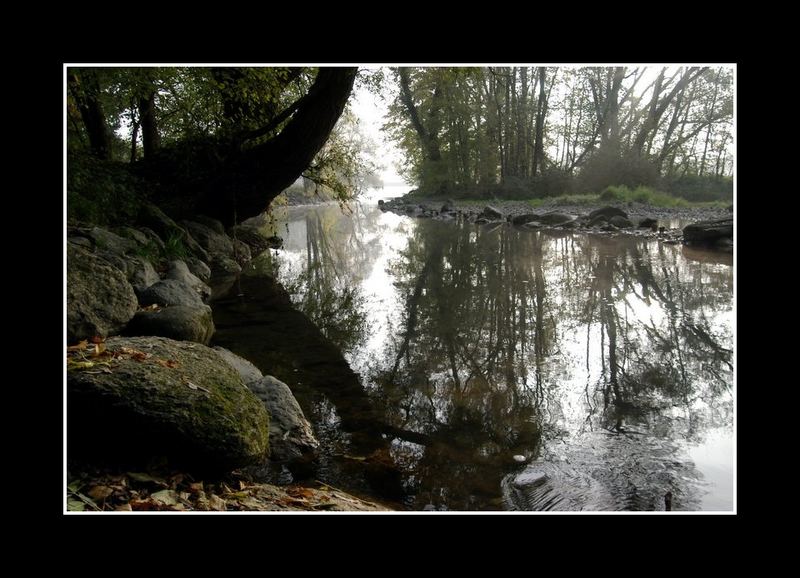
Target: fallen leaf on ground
<point>196,387</point>
<point>79,347</point>
<point>134,353</point>
<point>100,493</point>
<point>216,503</point>
<point>165,497</point>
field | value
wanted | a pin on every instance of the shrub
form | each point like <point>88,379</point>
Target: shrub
<point>101,192</point>
<point>700,188</point>
<point>608,168</point>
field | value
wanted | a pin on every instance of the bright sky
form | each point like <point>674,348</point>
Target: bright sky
<point>371,112</point>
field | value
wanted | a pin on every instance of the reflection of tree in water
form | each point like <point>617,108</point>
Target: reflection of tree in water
<point>475,310</point>
<point>661,373</point>
<point>480,364</point>
<point>512,339</point>
<point>650,365</point>
<point>338,249</point>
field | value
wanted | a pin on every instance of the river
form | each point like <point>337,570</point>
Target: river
<point>460,367</point>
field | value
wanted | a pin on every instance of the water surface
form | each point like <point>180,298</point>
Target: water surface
<point>460,367</point>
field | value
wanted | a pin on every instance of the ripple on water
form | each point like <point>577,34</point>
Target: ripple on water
<point>609,472</point>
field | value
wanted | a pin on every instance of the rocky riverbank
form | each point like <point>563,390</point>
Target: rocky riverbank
<point>710,226</point>
<point>146,394</point>
<point>102,490</point>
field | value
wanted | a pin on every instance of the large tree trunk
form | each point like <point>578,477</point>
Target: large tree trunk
<point>427,138</point>
<point>151,141</point>
<point>245,186</point>
<point>86,92</point>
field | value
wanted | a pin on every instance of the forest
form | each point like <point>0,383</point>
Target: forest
<point>546,131</point>
<point>208,134</point>
<point>258,317</point>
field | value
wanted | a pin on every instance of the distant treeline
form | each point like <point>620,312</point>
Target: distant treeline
<point>518,132</point>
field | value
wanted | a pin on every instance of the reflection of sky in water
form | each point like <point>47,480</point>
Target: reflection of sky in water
<point>368,246</point>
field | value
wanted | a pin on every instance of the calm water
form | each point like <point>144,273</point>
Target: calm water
<point>497,368</point>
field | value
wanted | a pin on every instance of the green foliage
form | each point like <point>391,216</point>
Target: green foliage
<point>150,252</point>
<point>174,247</point>
<point>462,128</point>
<point>623,195</point>
<point>644,195</point>
<point>609,167</point>
<point>190,102</point>
<point>101,192</point>
<point>700,187</point>
<point>346,165</point>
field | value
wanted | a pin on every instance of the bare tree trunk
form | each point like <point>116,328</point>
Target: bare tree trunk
<point>134,138</point>
<point>710,126</point>
<point>86,92</point>
<point>541,104</point>
<point>522,124</point>
<point>151,141</point>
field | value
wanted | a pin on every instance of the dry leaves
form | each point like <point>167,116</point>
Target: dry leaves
<point>140,491</point>
<point>97,358</point>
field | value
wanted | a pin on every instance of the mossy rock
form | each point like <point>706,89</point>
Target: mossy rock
<point>155,397</point>
<point>100,301</point>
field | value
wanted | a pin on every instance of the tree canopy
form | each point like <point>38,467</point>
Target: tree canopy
<point>531,130</point>
<point>223,141</point>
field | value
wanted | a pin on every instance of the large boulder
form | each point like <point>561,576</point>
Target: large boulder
<point>246,370</point>
<point>241,252</point>
<point>179,271</point>
<point>170,292</point>
<point>138,270</point>
<point>253,237</point>
<point>290,434</point>
<point>223,267</point>
<point>157,397</point>
<point>108,241</point>
<point>211,240</point>
<point>141,273</point>
<point>139,237</point>
<point>708,231</point>
<point>100,301</point>
<point>198,268</point>
<point>174,236</point>
<point>180,322</point>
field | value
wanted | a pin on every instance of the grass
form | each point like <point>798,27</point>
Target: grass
<point>174,247</point>
<point>614,194</point>
<point>649,196</point>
